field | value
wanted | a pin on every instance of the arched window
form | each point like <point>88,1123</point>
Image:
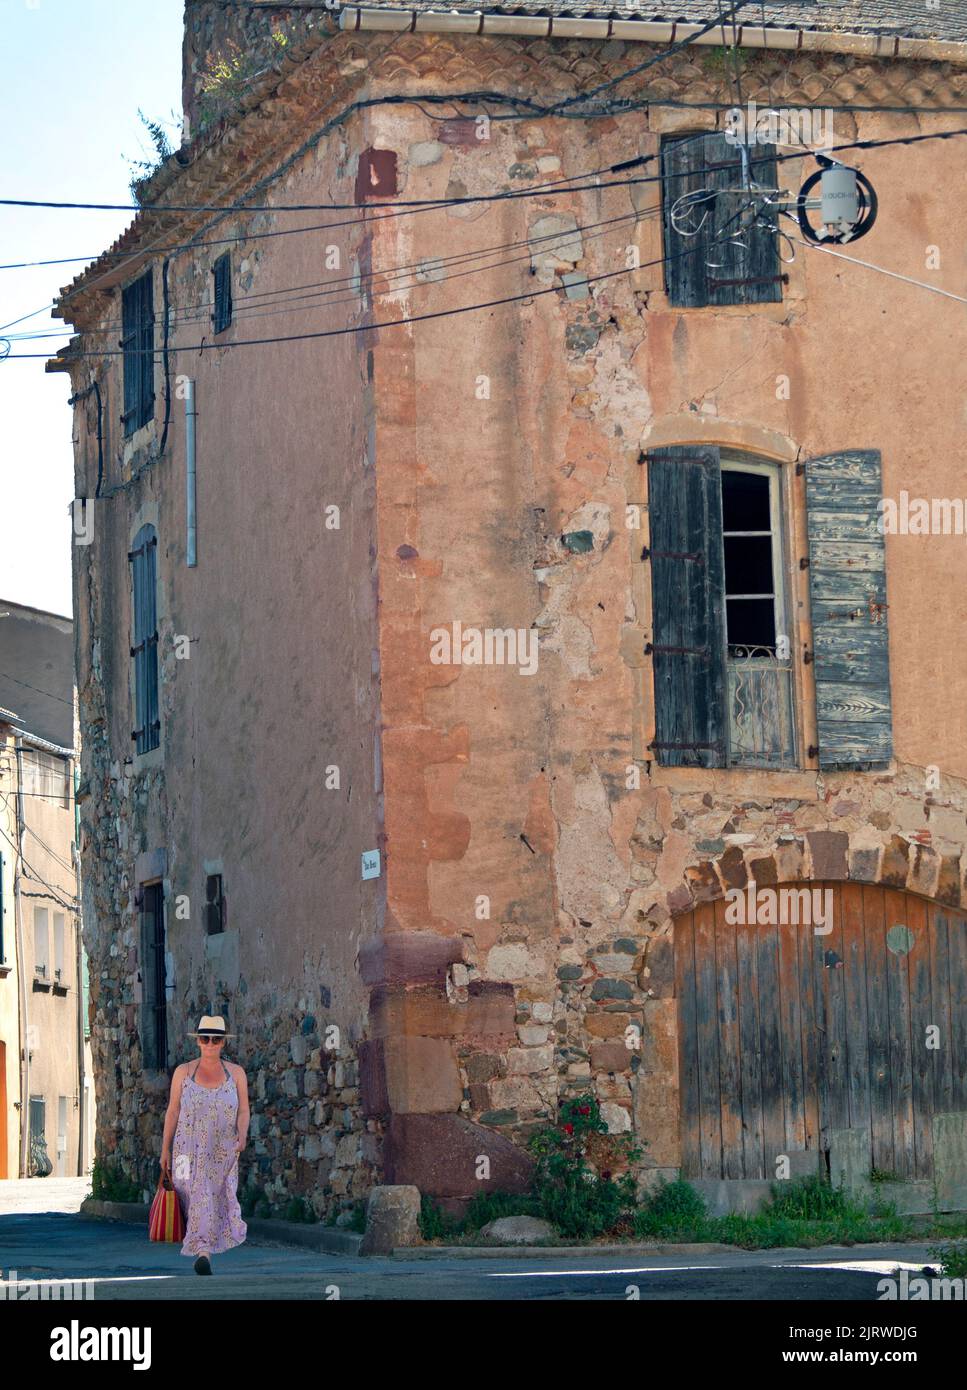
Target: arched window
<point>144,648</point>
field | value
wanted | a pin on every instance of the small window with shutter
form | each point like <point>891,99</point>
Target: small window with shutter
<point>721,647</point>
<point>222,273</point>
<point>137,343</point>
<point>721,654</point>
<point>144,650</point>
<point>715,253</point>
<point>214,905</point>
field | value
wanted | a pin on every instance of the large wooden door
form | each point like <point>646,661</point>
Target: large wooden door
<point>786,1034</point>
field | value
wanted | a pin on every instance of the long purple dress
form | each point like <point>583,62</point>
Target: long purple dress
<point>204,1167</point>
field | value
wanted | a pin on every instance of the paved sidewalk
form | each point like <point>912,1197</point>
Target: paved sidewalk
<point>27,1195</point>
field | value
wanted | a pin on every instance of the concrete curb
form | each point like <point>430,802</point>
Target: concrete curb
<point>528,1252</point>
<point>331,1240</point>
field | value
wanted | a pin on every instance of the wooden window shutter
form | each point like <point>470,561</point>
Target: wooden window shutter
<point>222,272</point>
<point>739,274</point>
<point>847,582</point>
<point>137,342</point>
<point>145,648</point>
<point>688,610</point>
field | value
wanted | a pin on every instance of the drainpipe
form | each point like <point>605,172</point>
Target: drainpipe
<point>190,470</point>
<point>21,971</point>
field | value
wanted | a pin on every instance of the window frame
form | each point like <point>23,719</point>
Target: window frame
<point>223,306</point>
<point>735,461</point>
<point>144,643</point>
<point>684,293</point>
<point>137,345</point>
<point>154,977</point>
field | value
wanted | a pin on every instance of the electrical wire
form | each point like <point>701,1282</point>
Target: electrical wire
<point>333,284</point>
<point>343,293</point>
<point>893,274</point>
<point>29,872</point>
<point>28,686</point>
<point>204,346</point>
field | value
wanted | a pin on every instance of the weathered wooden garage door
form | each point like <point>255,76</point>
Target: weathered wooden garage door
<point>785,1035</point>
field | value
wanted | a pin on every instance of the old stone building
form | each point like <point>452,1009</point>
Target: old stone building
<point>489,576</point>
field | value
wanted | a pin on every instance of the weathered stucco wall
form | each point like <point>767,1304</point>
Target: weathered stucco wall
<point>515,828</point>
<point>268,683</point>
<point>534,854</point>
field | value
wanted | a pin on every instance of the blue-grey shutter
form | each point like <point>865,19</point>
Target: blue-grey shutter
<point>688,608</point>
<point>131,361</point>
<point>146,345</point>
<point>151,641</point>
<point>145,644</point>
<point>744,270</point>
<point>847,582</point>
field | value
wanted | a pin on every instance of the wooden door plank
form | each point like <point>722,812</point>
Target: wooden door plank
<point>923,1059</point>
<point>834,971</point>
<point>707,1034</point>
<point>857,1027</point>
<point>770,1046</point>
<point>941,923</point>
<point>790,1023</point>
<point>812,1035</point>
<point>730,1088</point>
<point>690,1101</point>
<point>749,1048</point>
<point>898,987</point>
<point>878,1028</point>
<point>957,956</point>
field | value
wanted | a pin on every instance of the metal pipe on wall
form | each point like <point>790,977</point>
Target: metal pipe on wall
<point>192,554</point>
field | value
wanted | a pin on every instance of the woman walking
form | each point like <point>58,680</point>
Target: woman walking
<point>208,1116</point>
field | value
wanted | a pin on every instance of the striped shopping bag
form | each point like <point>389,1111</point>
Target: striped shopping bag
<point>166,1221</point>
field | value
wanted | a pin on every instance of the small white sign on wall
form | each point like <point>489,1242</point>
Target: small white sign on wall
<point>370,861</point>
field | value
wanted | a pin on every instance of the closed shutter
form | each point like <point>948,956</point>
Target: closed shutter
<point>145,648</point>
<point>146,345</point>
<point>847,582</point>
<point>710,267</point>
<point>137,341</point>
<point>688,613</point>
<point>222,272</point>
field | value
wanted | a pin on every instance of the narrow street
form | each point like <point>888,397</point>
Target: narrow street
<point>42,1237</point>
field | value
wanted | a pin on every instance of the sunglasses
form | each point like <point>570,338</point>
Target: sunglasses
<point>204,1039</point>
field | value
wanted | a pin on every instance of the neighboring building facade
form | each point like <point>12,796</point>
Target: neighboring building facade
<point>46,1082</point>
<point>439,679</point>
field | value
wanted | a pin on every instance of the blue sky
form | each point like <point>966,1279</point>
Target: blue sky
<point>75,74</point>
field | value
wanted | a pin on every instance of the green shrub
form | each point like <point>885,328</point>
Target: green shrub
<point>300,1209</point>
<point>673,1209</point>
<point>952,1260</point>
<point>358,1224</point>
<point>490,1206</point>
<point>580,1202</point>
<point>433,1221</point>
<point>812,1198</point>
<point>249,1199</point>
<point>110,1184</point>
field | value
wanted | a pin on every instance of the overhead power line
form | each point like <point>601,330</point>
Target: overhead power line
<point>394,323</point>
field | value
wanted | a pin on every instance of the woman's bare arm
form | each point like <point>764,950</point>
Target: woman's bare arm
<point>171,1114</point>
<point>241,1082</point>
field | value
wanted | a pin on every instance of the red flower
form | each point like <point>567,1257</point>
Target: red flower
<point>585,1110</point>
<point>606,1174</point>
<point>568,1129</point>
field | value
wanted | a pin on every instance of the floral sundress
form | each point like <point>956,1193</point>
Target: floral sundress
<point>204,1167</point>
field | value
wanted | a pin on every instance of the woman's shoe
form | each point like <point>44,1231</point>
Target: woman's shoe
<point>203,1265</point>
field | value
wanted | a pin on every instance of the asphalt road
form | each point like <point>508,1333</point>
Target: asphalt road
<point>43,1238</point>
